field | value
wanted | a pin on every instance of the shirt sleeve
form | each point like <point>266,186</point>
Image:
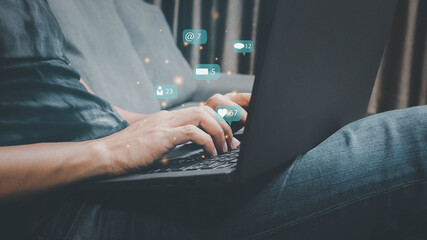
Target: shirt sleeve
<point>41,97</point>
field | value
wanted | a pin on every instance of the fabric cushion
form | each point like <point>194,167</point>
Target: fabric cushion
<point>99,47</point>
<point>152,39</point>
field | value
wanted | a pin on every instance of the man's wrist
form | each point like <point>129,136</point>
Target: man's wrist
<point>100,155</point>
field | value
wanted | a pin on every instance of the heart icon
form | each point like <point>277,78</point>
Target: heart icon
<point>222,112</point>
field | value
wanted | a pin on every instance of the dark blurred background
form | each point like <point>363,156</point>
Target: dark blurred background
<point>225,21</point>
<point>402,77</point>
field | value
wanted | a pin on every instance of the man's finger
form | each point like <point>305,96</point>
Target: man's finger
<point>219,99</point>
<point>228,132</point>
<point>199,117</point>
<point>241,99</point>
<point>194,134</point>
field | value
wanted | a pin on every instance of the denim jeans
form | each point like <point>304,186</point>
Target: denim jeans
<point>366,181</point>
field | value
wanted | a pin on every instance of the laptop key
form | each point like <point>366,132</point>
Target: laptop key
<point>190,169</point>
<point>215,165</point>
<point>226,166</point>
<point>206,167</point>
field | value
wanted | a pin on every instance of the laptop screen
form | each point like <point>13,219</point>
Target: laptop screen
<point>320,64</point>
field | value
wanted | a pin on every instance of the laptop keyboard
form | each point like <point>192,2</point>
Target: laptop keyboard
<point>194,162</point>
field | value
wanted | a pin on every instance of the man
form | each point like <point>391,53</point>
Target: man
<point>368,180</point>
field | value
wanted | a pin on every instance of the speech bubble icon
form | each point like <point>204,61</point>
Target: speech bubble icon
<point>166,92</point>
<point>194,36</point>
<point>207,72</point>
<point>228,113</point>
<point>243,46</point>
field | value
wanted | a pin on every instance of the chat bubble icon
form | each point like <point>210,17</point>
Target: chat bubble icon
<point>228,113</point>
<point>194,36</point>
<point>243,46</point>
<point>207,72</point>
<point>166,92</point>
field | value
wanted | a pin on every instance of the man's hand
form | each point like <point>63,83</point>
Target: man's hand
<point>233,98</point>
<point>148,140</point>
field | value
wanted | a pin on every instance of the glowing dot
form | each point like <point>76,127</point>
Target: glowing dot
<point>174,138</point>
<point>185,44</point>
<point>164,104</point>
<point>164,160</point>
<point>203,156</point>
<point>127,145</point>
<point>178,80</point>
<point>161,30</point>
<point>215,15</point>
<point>202,103</point>
<point>201,47</point>
<point>234,92</point>
<point>228,72</point>
<point>137,82</point>
<point>216,59</point>
<point>226,136</point>
<point>147,60</point>
<point>167,61</point>
<point>226,30</point>
<point>182,105</point>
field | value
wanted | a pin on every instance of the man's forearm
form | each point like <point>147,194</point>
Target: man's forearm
<point>31,168</point>
<point>27,169</point>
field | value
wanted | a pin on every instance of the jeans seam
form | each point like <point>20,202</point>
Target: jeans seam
<point>330,209</point>
<point>76,220</point>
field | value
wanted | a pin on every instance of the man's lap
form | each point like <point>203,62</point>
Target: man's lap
<point>366,180</point>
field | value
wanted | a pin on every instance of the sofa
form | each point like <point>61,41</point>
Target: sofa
<point>120,48</point>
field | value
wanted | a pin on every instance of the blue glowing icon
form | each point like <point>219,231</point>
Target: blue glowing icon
<point>207,72</point>
<point>195,36</point>
<point>228,113</point>
<point>243,46</point>
<point>166,92</point>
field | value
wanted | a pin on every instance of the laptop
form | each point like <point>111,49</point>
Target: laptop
<point>320,61</point>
